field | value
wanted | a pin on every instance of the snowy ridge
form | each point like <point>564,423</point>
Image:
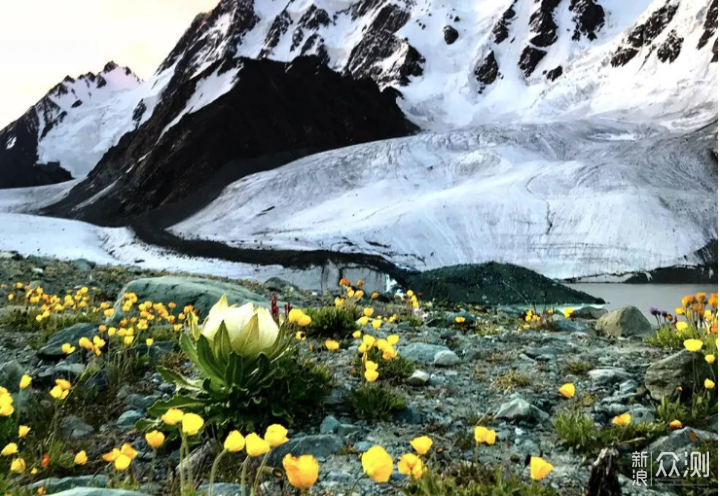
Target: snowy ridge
<point>553,61</point>
<point>559,199</point>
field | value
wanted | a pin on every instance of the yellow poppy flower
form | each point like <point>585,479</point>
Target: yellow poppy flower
<point>681,326</point>
<point>302,472</point>
<point>675,424</point>
<point>539,468</point>
<point>255,445</point>
<point>377,464</point>
<point>173,416</point>
<point>567,390</point>
<point>23,431</point>
<point>693,344</point>
<point>371,375</point>
<point>332,345</point>
<point>122,462</point>
<point>17,466</point>
<point>710,359</point>
<point>709,384</point>
<point>357,334</point>
<point>411,465</point>
<point>460,320</point>
<point>421,444</point>
<point>304,320</point>
<point>276,435</point>
<point>81,458</point>
<point>623,419</point>
<point>368,311</point>
<point>192,423</point>
<point>234,442</point>
<point>9,450</point>
<point>485,435</point>
<point>295,315</point>
<point>25,381</point>
<point>155,439</point>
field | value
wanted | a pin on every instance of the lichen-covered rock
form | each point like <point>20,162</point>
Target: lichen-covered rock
<point>624,322</point>
<point>196,291</point>
<point>664,377</point>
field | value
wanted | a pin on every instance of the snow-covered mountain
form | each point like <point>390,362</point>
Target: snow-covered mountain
<point>69,129</point>
<point>558,134</point>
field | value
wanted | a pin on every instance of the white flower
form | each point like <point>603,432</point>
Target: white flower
<point>251,329</point>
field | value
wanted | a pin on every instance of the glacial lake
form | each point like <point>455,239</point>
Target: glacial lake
<point>644,296</point>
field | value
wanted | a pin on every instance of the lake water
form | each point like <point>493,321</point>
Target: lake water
<point>644,296</point>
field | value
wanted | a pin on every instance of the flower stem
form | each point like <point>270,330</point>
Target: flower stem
<point>258,474</point>
<point>243,475</point>
<point>213,471</point>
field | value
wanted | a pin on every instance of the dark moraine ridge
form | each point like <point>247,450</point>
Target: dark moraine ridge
<point>494,283</point>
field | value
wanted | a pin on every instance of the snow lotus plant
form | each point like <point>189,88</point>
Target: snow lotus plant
<point>248,370</point>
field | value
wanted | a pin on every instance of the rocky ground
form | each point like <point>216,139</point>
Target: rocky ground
<point>487,370</point>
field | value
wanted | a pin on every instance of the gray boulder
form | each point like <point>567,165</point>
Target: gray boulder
<point>608,375</point>
<point>81,482</point>
<point>196,291</point>
<point>422,352</point>
<point>680,443</point>
<point>624,322</point>
<point>518,409</point>
<point>418,378</point>
<point>72,334</point>
<point>663,377</point>
<point>321,446</point>
<point>73,427</point>
<point>446,358</point>
<point>10,375</point>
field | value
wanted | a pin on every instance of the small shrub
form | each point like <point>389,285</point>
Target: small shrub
<point>578,431</point>
<point>579,368</point>
<point>694,412</point>
<point>669,337</point>
<point>511,380</point>
<point>375,402</point>
<point>475,481</point>
<point>396,370</point>
<point>331,322</point>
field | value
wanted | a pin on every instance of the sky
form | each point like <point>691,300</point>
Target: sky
<point>42,41</point>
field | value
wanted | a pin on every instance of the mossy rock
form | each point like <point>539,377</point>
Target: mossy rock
<point>196,291</point>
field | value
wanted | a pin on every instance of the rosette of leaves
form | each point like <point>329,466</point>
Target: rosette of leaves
<point>243,391</point>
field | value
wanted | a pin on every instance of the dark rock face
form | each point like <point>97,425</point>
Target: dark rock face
<point>273,107</point>
<point>279,27</point>
<point>380,42</point>
<point>501,30</point>
<point>644,34</point>
<point>19,163</point>
<point>530,58</point>
<point>543,25</point>
<point>200,40</point>
<point>589,18</point>
<point>311,20</point>
<point>710,25</point>
<point>670,49</point>
<point>450,34</point>
<point>553,74</point>
<point>493,283</point>
<point>487,72</point>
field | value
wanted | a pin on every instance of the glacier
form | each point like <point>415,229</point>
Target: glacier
<point>566,199</point>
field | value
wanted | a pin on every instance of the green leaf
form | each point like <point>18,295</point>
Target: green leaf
<point>177,379</point>
<point>178,401</point>
<point>207,361</point>
<point>221,345</point>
